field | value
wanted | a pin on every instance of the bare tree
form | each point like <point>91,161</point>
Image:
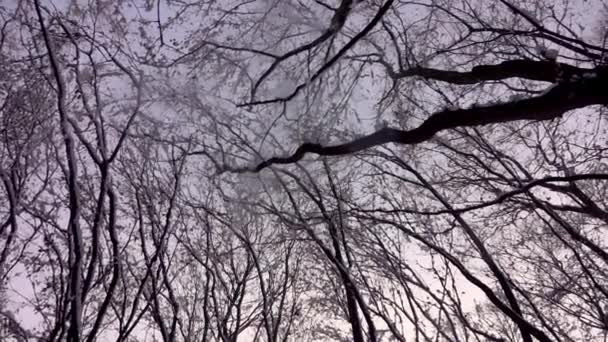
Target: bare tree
<point>338,170</point>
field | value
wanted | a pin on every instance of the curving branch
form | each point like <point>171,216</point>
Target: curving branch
<point>337,22</point>
<point>575,44</point>
<point>9,325</point>
<point>351,43</point>
<point>557,100</point>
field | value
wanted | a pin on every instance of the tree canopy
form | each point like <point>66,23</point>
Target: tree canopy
<point>303,170</point>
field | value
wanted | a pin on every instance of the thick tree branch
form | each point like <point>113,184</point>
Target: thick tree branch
<point>557,100</point>
<point>75,233</point>
<point>548,71</point>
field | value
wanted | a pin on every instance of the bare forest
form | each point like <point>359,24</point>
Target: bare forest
<point>304,170</point>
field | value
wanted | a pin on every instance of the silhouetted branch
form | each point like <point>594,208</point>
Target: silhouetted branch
<point>557,100</point>
<point>501,198</point>
<point>548,71</point>
<point>381,12</point>
<point>337,22</point>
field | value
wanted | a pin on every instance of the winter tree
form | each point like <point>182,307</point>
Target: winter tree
<point>311,170</point>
